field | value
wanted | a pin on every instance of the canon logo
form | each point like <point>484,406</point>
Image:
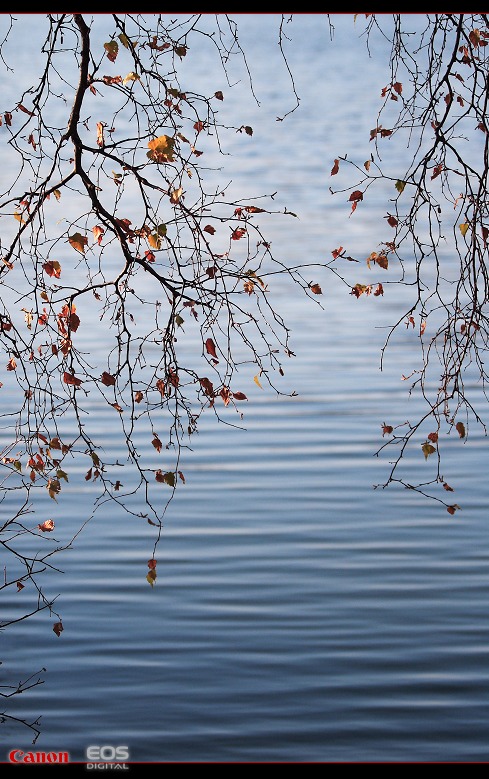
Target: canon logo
<point>18,756</point>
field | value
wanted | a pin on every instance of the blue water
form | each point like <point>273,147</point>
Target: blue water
<point>299,614</point>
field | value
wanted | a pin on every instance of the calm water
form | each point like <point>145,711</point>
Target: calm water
<point>298,614</point>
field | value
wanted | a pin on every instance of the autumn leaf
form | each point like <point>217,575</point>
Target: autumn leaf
<point>460,428</point>
<point>20,586</point>
<point>238,233</point>
<point>107,379</point>
<point>386,429</point>
<point>166,478</point>
<point>100,134</point>
<point>78,242</point>
<point>12,364</point>
<point>207,386</point>
<point>154,241</point>
<point>452,509</point>
<point>130,77</point>
<point>211,348</point>
<point>151,577</point>
<point>427,449</point>
<point>68,378</point>
<point>463,228</point>
<point>138,396</point>
<point>58,628</point>
<point>209,229</point>
<point>161,149</point>
<point>392,221</point>
<point>239,396</point>
<point>47,526</point>
<point>437,170</point>
<point>112,49</point>
<point>447,487</point>
<point>157,443</point>
<point>400,185</point>
<point>256,379</point>
<point>98,233</point>
<point>160,386</point>
<point>176,195</point>
<point>356,196</point>
<point>433,437</point>
<point>152,564</point>
<point>316,289</point>
<point>53,487</point>
<point>335,168</point>
<point>218,95</point>
<point>52,268</point>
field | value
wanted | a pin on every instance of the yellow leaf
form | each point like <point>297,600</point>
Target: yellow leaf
<point>161,149</point>
<point>130,77</point>
<point>463,228</point>
<point>176,195</point>
<point>257,381</point>
<point>366,165</point>
<point>154,241</point>
<point>427,449</point>
<point>400,186</point>
<point>57,194</point>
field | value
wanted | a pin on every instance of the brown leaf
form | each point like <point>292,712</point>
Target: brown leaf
<point>316,289</point>
<point>356,196</point>
<point>52,268</point>
<point>335,168</point>
<point>58,628</point>
<point>47,526</point>
<point>157,443</point>
<point>68,378</point>
<point>211,348</point>
<point>460,428</point>
<point>107,379</point>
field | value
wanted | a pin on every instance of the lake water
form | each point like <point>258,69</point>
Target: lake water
<point>299,614</point>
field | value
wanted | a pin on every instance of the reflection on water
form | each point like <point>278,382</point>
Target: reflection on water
<point>298,613</point>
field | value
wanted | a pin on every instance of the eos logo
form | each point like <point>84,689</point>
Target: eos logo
<point>107,753</point>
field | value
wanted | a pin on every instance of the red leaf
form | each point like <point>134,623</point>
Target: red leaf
<point>58,628</point>
<point>356,196</point>
<point>335,168</point>
<point>209,229</point>
<point>68,378</point>
<point>316,289</point>
<point>157,443</point>
<point>107,379</point>
<point>152,564</point>
<point>211,348</point>
<point>52,268</point>
<point>207,386</point>
<point>238,233</point>
<point>239,396</point>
